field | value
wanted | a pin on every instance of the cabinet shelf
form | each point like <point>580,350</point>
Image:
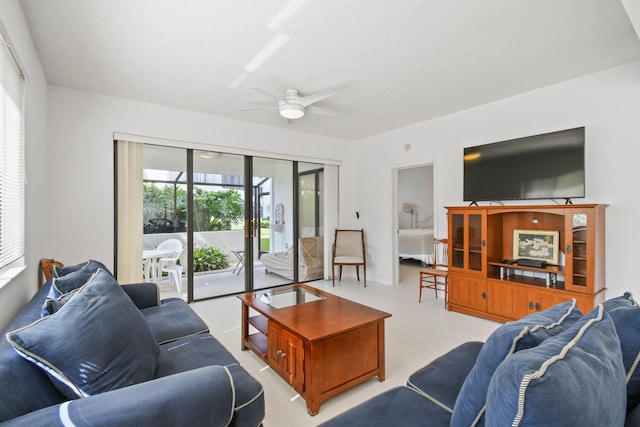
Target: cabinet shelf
<point>527,280</point>
<point>259,344</point>
<point>260,322</point>
<point>547,269</point>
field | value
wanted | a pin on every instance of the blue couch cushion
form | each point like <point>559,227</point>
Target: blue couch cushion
<point>625,313</point>
<point>98,341</point>
<point>172,320</point>
<point>400,406</point>
<point>574,379</point>
<point>441,380</point>
<point>503,342</point>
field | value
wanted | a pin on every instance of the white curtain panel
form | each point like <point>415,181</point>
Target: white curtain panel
<point>130,201</point>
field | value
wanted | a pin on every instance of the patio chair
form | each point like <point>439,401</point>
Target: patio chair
<point>348,249</point>
<point>173,247</point>
<point>174,270</point>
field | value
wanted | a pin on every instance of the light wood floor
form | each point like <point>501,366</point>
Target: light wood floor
<point>415,335</point>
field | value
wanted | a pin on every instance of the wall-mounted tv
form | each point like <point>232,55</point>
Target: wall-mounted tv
<point>547,166</point>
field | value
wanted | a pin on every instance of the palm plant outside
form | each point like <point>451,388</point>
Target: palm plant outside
<point>165,211</point>
<point>165,208</point>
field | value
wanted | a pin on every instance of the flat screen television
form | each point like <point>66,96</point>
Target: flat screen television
<point>547,166</point>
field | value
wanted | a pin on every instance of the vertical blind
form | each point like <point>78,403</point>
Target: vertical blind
<point>129,216</point>
<point>11,157</point>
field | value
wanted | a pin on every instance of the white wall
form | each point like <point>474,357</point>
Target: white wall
<point>17,292</point>
<point>607,103</point>
<point>81,127</point>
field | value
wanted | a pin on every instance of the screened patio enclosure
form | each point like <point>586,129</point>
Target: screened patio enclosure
<point>229,213</point>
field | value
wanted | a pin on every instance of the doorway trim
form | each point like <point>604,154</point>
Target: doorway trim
<point>395,203</point>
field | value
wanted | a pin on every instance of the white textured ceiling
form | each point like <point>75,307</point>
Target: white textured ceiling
<point>392,63</point>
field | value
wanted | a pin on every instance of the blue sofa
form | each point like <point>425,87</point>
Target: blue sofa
<point>553,368</point>
<point>86,351</point>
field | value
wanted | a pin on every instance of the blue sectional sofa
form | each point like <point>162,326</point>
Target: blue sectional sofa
<point>553,368</point>
<point>86,351</point>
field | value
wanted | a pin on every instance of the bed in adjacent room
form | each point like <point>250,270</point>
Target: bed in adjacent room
<point>416,243</point>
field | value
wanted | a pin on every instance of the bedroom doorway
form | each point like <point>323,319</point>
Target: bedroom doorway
<point>415,225</point>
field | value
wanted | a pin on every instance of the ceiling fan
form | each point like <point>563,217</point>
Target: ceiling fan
<point>293,106</point>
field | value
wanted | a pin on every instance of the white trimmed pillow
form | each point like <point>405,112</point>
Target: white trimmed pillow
<point>509,338</point>
<point>97,341</point>
<point>574,379</point>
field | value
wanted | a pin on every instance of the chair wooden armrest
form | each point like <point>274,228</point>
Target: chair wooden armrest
<point>46,268</point>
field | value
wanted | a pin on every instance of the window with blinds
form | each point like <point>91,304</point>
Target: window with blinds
<point>12,175</point>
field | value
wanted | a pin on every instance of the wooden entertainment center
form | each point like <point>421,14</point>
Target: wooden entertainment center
<point>485,282</point>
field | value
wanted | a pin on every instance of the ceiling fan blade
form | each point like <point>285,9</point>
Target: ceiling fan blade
<point>322,111</point>
<point>305,101</point>
<point>264,92</point>
<point>266,107</point>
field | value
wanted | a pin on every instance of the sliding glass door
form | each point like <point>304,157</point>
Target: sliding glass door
<point>218,246</point>
<point>164,217</point>
<point>219,223</point>
<point>273,220</point>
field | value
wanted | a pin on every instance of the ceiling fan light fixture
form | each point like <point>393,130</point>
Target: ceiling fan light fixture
<point>291,111</point>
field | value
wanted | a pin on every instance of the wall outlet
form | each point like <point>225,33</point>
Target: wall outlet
<point>286,245</point>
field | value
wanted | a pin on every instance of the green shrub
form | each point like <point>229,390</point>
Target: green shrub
<point>208,259</point>
<point>265,243</point>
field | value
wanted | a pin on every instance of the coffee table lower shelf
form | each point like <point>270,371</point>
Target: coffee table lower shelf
<point>259,344</point>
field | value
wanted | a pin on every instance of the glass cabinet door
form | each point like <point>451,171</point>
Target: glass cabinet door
<point>456,246</point>
<point>579,250</point>
<point>476,242</point>
<point>467,241</point>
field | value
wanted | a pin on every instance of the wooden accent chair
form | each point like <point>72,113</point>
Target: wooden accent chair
<point>46,267</point>
<point>348,249</point>
<point>436,277</point>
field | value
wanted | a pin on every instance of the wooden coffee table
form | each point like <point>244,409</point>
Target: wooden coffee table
<point>319,343</point>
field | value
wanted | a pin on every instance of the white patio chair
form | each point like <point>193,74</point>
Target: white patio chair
<point>173,248</point>
<point>174,270</point>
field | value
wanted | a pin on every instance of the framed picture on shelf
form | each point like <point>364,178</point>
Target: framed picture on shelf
<point>540,245</point>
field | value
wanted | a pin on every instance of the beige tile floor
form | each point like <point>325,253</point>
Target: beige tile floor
<point>415,335</point>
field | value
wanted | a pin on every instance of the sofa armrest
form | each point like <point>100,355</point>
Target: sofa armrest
<point>143,294</point>
<point>202,396</point>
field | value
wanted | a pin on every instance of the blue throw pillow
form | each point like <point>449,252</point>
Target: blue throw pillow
<point>507,339</point>
<point>70,282</point>
<point>574,379</point>
<point>72,279</point>
<point>92,265</point>
<point>97,341</point>
<point>625,314</point>
<point>52,305</point>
